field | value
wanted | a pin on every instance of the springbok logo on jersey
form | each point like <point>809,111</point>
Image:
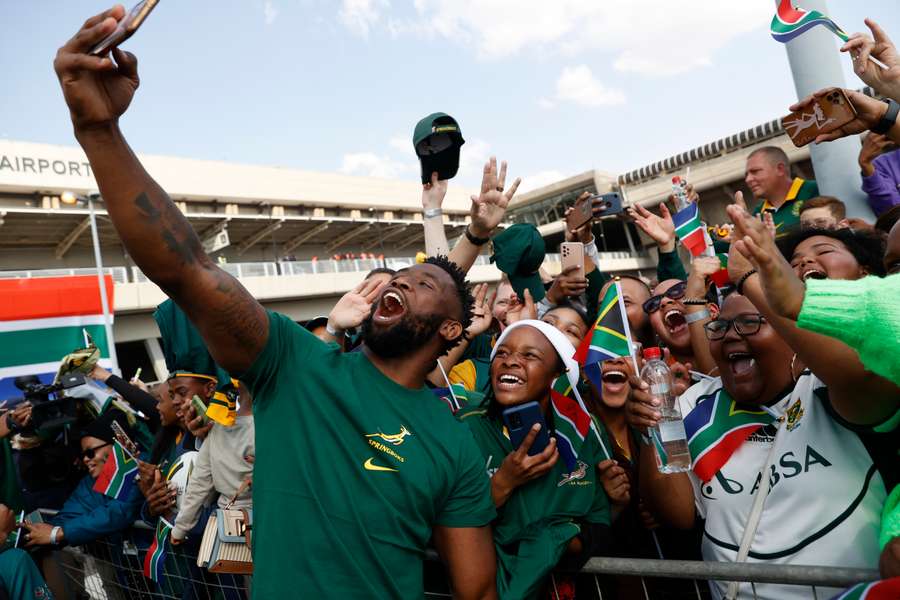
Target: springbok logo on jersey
<point>394,439</point>
<point>575,475</point>
<point>794,414</point>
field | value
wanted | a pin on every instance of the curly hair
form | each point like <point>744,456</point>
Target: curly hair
<point>866,245</point>
<point>463,292</point>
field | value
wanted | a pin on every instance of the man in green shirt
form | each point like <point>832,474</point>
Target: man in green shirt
<point>768,175</point>
<point>357,464</point>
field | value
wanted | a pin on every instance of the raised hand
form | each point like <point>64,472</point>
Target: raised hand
<point>490,205</point>
<point>784,290</point>
<point>701,268</point>
<point>355,306</point>
<point>661,228</point>
<point>869,112</point>
<point>641,409</point>
<point>873,145</point>
<point>583,234</point>
<point>433,193</point>
<point>96,89</point>
<point>571,282</point>
<point>519,310</point>
<point>861,47</point>
<point>481,311</point>
<point>615,482</point>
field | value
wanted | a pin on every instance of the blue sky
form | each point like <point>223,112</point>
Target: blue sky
<point>554,87</point>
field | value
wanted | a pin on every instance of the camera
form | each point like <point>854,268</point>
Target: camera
<point>51,408</point>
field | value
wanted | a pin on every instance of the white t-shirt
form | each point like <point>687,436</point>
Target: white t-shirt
<point>826,497</point>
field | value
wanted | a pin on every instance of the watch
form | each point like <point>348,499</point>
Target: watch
<point>477,241</point>
<point>889,119</point>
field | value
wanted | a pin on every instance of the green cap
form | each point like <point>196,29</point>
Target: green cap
<point>519,251</point>
<point>183,348</point>
<point>437,139</point>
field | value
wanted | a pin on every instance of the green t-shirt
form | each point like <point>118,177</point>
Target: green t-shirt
<point>352,472</point>
<point>787,216</point>
<point>535,525</point>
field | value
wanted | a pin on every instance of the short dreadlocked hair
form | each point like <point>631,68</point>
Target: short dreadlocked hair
<point>463,292</point>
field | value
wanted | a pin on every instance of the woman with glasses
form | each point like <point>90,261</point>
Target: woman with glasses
<point>88,515</point>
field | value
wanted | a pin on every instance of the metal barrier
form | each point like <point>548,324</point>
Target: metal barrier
<point>111,569</point>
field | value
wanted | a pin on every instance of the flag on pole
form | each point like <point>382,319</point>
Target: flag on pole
<point>720,277</point>
<point>690,229</point>
<point>886,589</point>
<point>609,338</point>
<point>571,419</point>
<point>790,21</point>
<point>717,427</point>
<point>116,479</point>
<point>155,560</point>
<point>42,319</point>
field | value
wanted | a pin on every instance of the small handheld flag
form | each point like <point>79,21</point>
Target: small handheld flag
<point>790,21</point>
<point>571,418</point>
<point>155,559</point>
<point>720,277</point>
<point>119,472</point>
<point>609,338</point>
<point>690,230</point>
<point>717,427</point>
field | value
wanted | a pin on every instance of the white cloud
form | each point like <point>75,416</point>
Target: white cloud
<point>540,179</point>
<point>270,12</point>
<point>373,165</point>
<point>359,16</point>
<point>578,85</point>
<point>401,143</point>
<point>649,37</point>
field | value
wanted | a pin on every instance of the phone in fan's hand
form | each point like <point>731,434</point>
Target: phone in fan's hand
<point>605,205</point>
<point>834,109</point>
<point>200,408</point>
<point>520,419</point>
<point>580,215</point>
<point>571,254</point>
<point>126,27</point>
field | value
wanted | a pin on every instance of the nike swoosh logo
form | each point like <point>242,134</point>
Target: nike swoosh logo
<point>371,466</point>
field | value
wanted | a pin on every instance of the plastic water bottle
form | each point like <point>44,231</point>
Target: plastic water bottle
<point>669,438</point>
<point>679,190</point>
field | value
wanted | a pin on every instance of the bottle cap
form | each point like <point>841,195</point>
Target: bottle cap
<point>652,352</point>
<point>676,180</point>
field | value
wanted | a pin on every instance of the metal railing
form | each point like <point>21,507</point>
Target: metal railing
<point>119,274</point>
<point>111,568</point>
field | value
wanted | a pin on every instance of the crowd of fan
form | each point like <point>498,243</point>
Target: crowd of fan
<point>379,424</point>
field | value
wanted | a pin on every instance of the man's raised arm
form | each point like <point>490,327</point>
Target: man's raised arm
<point>158,237</point>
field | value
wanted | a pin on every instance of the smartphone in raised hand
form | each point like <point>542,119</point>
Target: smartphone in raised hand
<point>834,109</point>
<point>126,27</point>
<point>571,254</point>
<point>580,215</point>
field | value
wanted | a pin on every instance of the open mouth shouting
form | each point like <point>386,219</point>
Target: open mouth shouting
<point>509,382</point>
<point>675,321</point>
<point>742,364</point>
<point>614,381</point>
<point>391,307</point>
<point>813,274</point>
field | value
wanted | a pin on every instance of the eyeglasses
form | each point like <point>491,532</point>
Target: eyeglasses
<point>744,325</point>
<point>89,453</point>
<point>676,292</point>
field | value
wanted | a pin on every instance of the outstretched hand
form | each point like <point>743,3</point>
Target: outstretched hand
<point>433,192</point>
<point>661,228</point>
<point>489,206</point>
<point>784,290</point>
<point>481,311</point>
<point>97,89</point>
<point>355,306</point>
<point>520,310</point>
<point>861,47</point>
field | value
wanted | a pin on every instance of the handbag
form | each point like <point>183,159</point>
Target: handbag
<point>225,547</point>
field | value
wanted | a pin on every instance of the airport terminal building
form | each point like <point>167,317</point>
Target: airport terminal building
<point>278,229</point>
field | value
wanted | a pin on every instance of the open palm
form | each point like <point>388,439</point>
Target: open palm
<point>489,207</point>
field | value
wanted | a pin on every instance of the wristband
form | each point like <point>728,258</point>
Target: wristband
<point>431,213</point>
<point>53,533</point>
<point>590,249</point>
<point>476,241</point>
<point>697,316</point>
<point>889,119</point>
<point>332,332</point>
<point>740,284</point>
<point>694,301</point>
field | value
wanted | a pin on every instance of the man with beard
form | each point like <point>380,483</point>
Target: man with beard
<point>357,466</point>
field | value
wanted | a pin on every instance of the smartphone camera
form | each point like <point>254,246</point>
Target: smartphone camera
<point>515,420</point>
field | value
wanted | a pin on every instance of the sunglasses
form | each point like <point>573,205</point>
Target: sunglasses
<point>89,453</point>
<point>744,325</point>
<point>676,292</point>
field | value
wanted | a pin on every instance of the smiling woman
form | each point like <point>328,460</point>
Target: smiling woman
<point>552,513</point>
<point>834,253</point>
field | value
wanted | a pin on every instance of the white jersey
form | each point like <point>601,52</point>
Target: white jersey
<point>826,497</point>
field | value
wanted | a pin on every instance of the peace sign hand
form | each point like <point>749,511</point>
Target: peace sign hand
<point>490,205</point>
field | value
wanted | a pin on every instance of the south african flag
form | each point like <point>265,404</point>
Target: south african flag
<point>790,21</point>
<point>155,560</point>
<point>119,472</point>
<point>717,427</point>
<point>886,589</point>
<point>720,277</point>
<point>571,419</point>
<point>689,229</point>
<point>609,338</point>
